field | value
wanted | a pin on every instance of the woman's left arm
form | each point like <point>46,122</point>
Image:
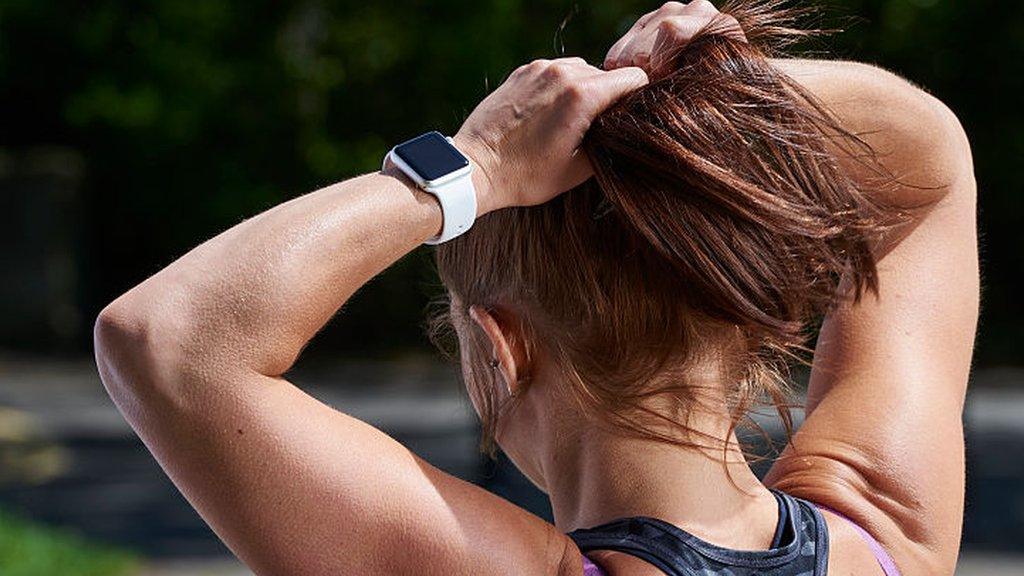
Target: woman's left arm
<point>194,358</point>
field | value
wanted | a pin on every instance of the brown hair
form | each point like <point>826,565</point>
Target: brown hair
<point>715,230</point>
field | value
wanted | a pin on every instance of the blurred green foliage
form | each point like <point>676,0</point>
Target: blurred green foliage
<point>27,549</point>
<point>193,115</point>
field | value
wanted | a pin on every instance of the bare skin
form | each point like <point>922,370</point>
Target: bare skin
<point>194,358</point>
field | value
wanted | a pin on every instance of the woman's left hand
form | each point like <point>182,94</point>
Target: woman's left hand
<point>525,136</point>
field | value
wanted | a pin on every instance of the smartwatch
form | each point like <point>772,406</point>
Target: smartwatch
<point>434,163</point>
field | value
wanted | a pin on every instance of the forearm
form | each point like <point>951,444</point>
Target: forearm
<point>250,298</point>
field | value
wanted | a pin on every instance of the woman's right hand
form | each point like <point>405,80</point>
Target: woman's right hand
<point>657,36</point>
<point>525,137</point>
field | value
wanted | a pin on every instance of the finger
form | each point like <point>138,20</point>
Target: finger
<point>673,34</point>
<point>577,171</point>
<point>572,61</point>
<point>728,26</point>
<point>638,51</point>
<point>681,29</point>
<point>612,59</point>
<point>603,89</point>
<point>575,65</point>
<point>668,33</point>
<point>663,53</point>
<point>718,23</point>
<point>666,9</point>
<point>568,72</point>
<point>700,8</point>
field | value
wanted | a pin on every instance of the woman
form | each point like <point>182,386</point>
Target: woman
<point>614,331</point>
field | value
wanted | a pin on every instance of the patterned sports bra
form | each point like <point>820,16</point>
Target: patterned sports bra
<point>799,547</point>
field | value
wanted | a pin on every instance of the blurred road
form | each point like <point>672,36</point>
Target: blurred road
<point>68,458</point>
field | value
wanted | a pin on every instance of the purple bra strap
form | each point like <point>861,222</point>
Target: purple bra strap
<point>591,569</point>
<point>883,558</point>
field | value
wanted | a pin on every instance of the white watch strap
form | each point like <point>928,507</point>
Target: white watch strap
<point>457,198</point>
<point>458,207</point>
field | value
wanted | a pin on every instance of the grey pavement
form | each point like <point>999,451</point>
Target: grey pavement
<point>66,398</point>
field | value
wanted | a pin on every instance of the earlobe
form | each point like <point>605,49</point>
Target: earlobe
<point>496,365</point>
<point>504,341</point>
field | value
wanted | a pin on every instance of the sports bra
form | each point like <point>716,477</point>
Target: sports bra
<point>799,546</point>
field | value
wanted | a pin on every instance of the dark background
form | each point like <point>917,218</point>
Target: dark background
<point>131,131</point>
<point>153,125</point>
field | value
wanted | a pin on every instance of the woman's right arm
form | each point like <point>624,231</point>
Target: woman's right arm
<point>883,438</point>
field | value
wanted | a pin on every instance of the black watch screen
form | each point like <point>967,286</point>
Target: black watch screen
<point>431,156</point>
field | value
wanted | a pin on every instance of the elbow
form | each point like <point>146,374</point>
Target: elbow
<point>121,342</point>
<point>138,354</point>
<point>950,157</point>
<point>928,149</point>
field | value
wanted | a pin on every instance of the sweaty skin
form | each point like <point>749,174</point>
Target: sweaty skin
<point>194,358</point>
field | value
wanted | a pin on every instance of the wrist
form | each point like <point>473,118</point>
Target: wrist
<point>425,209</point>
<point>483,160</point>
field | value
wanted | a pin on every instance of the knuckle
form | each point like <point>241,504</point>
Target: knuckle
<point>682,28</point>
<point>669,25</point>
<point>574,94</point>
<point>701,7</point>
<point>531,69</point>
<point>734,29</point>
<point>538,65</point>
<point>555,73</point>
<point>670,7</point>
<point>527,69</point>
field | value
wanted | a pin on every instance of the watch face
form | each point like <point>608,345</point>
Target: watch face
<point>431,156</point>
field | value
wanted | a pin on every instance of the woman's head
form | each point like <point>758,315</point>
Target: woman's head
<point>685,273</point>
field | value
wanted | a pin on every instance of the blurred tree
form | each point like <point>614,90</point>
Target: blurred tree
<point>193,115</point>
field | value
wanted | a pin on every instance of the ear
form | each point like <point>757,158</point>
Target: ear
<point>508,343</point>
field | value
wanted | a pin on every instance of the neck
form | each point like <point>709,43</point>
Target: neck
<point>607,476</point>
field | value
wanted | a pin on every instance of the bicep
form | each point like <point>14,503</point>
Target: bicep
<point>883,440</point>
<point>295,487</point>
